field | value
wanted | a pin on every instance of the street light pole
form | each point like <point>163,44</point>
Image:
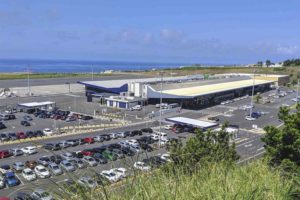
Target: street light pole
<point>92,73</point>
<point>160,106</point>
<point>28,82</point>
<point>251,106</point>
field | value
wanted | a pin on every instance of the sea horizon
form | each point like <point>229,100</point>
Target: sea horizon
<point>81,66</point>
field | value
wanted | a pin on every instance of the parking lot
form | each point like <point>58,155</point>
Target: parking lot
<point>248,140</point>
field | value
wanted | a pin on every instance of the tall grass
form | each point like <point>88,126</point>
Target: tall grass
<point>214,181</point>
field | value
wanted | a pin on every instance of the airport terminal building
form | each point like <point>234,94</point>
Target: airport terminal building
<point>193,92</point>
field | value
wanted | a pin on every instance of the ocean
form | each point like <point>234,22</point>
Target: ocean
<point>59,66</point>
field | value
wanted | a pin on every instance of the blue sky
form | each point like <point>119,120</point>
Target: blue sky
<point>193,31</point>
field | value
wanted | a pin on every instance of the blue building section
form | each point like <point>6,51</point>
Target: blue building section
<point>93,89</point>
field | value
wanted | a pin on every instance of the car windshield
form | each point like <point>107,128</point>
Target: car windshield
<point>68,164</point>
<point>42,170</point>
<point>55,167</point>
<point>20,165</point>
<point>28,172</point>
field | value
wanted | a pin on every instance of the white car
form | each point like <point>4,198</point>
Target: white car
<point>142,166</point>
<point>28,174</point>
<point>154,137</point>
<point>67,156</point>
<point>2,182</point>
<point>120,172</point>
<point>132,142</point>
<point>29,150</point>
<point>47,131</point>
<point>168,127</point>
<point>163,141</point>
<point>137,107</point>
<point>110,175</point>
<point>249,118</point>
<point>42,172</point>
<point>166,157</point>
<point>295,99</point>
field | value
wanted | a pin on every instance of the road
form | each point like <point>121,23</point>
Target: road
<point>59,81</point>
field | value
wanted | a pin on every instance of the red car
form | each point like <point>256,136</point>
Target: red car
<point>87,152</point>
<point>21,135</point>
<point>89,140</point>
<point>4,154</point>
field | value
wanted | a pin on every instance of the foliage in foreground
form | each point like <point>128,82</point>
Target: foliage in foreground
<point>283,144</point>
<point>214,181</point>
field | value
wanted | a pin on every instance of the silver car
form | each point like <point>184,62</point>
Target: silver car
<point>18,166</point>
<point>40,194</point>
<point>55,169</point>
<point>90,161</point>
<point>79,163</point>
<point>67,166</point>
<point>87,181</point>
<point>17,152</point>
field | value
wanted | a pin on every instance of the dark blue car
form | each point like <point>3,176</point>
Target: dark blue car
<point>11,180</point>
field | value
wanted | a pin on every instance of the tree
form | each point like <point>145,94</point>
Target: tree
<point>268,63</point>
<point>259,63</point>
<point>258,98</point>
<point>283,145</point>
<point>209,146</point>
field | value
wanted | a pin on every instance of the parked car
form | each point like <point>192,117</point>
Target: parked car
<point>106,136</point>
<point>109,155</point>
<point>40,194</point>
<point>56,159</point>
<point>29,150</point>
<point>68,156</point>
<point>72,142</point>
<point>136,132</point>
<point>27,118</point>
<point>28,174</point>
<point>78,163</point>
<point>2,182</point>
<point>126,151</point>
<point>5,168</point>
<point>132,142</point>
<point>47,132</point>
<point>87,181</point>
<point>99,138</point>
<point>120,172</point>
<point>141,166</point>
<point>25,123</point>
<point>137,107</point>
<point>31,164</point>
<point>18,166</point>
<point>119,153</point>
<point>87,152</point>
<point>89,140</point>
<point>64,144</point>
<point>21,135</point>
<point>113,135</point>
<point>4,154</point>
<point>123,134</point>
<point>11,180</point>
<point>55,169</point>
<point>146,147</point>
<point>41,171</point>
<point>67,166</point>
<point>70,119</point>
<point>2,126</point>
<point>90,161</point>
<point>147,130</point>
<point>44,160</point>
<point>16,152</point>
<point>12,136</point>
<point>168,126</point>
<point>110,175</point>
<point>30,134</point>
<point>4,137</point>
<point>99,158</point>
<point>52,146</point>
<point>166,157</point>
